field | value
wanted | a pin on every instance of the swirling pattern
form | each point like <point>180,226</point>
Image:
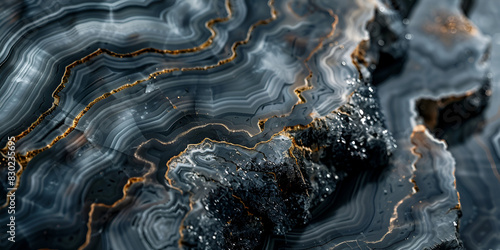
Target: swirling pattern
<point>450,59</point>
<point>275,185</point>
<point>248,124</point>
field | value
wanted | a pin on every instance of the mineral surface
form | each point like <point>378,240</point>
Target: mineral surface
<point>242,124</point>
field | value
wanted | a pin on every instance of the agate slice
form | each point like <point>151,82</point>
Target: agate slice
<point>240,124</point>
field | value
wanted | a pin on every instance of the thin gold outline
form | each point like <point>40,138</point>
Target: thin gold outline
<point>221,62</point>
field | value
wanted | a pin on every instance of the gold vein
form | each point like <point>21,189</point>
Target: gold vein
<point>395,214</point>
<point>307,86</point>
<point>140,179</point>
<point>209,25</point>
<point>24,159</point>
<point>127,186</point>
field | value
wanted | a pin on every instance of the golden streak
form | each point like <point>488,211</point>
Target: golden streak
<point>243,203</point>
<point>181,227</point>
<point>194,145</point>
<point>215,142</point>
<point>273,17</point>
<point>137,179</point>
<point>179,136</point>
<point>392,221</point>
<point>127,186</point>
<point>209,25</point>
<point>24,159</point>
<point>308,86</point>
<point>358,57</point>
<point>33,153</point>
<point>307,80</point>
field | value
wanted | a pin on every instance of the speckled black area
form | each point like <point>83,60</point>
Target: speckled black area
<point>242,124</point>
<point>257,196</point>
<point>352,138</point>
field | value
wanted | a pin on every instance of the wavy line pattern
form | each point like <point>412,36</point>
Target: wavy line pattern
<point>202,124</point>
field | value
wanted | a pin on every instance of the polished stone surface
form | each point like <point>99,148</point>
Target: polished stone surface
<point>240,124</point>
